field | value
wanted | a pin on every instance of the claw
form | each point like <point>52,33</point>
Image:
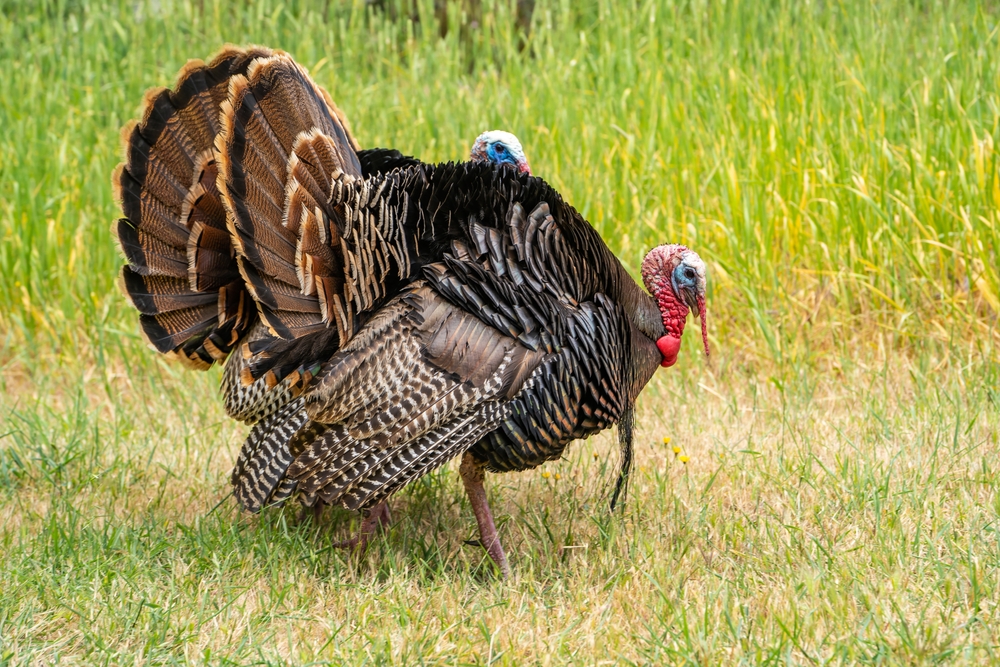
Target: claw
<point>378,516</point>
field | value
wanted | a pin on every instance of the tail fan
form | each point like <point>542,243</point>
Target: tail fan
<point>284,146</point>
<point>181,273</point>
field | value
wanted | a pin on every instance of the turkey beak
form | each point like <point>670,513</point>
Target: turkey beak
<point>704,321</point>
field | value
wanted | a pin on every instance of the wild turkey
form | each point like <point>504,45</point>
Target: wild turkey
<point>390,315</point>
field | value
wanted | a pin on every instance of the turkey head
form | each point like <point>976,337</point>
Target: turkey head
<point>500,147</point>
<point>675,276</point>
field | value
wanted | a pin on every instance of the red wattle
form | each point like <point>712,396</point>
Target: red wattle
<point>669,347</point>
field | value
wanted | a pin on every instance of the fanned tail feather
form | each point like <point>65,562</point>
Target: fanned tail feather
<point>284,145</point>
<point>181,273</point>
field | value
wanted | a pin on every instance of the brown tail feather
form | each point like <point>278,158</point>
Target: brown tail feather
<point>275,294</point>
<point>209,255</point>
<point>282,147</point>
<point>180,334</point>
<point>152,295</point>
<point>182,274</point>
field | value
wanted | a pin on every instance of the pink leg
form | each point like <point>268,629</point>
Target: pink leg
<point>378,516</point>
<point>473,476</point>
<point>384,515</point>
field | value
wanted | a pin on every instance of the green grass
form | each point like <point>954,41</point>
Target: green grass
<point>836,165</point>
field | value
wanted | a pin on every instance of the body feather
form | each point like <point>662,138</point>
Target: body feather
<point>386,315</point>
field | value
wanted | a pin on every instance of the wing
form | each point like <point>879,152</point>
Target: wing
<point>531,280</point>
<point>419,384</point>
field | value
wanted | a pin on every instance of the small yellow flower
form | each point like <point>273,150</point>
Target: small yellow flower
<point>545,474</point>
<point>666,441</point>
<point>677,450</point>
<point>595,456</point>
<point>683,459</point>
<point>558,476</point>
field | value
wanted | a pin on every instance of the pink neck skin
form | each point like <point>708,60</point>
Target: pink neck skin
<point>673,310</point>
<point>674,314</point>
<point>657,268</point>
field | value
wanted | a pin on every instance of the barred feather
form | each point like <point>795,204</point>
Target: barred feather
<point>174,224</point>
<point>265,456</point>
<point>387,315</point>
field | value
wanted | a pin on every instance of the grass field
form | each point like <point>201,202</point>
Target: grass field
<point>836,165</point>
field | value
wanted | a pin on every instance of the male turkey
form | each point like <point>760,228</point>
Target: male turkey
<point>387,315</point>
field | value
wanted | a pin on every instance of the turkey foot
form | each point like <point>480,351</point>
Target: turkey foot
<point>377,516</point>
<point>473,476</point>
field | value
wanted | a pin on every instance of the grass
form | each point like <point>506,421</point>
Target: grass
<point>834,163</point>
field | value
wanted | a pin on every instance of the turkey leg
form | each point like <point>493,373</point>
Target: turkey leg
<point>473,476</point>
<point>378,515</point>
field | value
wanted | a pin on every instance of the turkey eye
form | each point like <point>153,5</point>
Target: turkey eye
<point>500,149</point>
<point>689,273</point>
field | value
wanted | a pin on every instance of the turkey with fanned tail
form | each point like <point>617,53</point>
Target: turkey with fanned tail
<point>383,315</point>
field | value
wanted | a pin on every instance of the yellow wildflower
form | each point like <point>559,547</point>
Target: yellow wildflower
<point>677,450</point>
<point>683,459</point>
<point>666,441</point>
<point>545,474</point>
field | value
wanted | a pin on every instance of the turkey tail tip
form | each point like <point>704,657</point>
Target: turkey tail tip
<point>189,68</point>
<point>148,105</point>
<point>127,237</point>
<point>117,173</point>
<point>125,134</point>
<point>148,329</point>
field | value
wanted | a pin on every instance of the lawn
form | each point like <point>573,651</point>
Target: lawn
<point>834,499</point>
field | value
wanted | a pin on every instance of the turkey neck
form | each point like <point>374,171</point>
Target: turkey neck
<point>640,306</point>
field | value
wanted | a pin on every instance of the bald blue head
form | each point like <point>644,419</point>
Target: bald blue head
<point>500,147</point>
